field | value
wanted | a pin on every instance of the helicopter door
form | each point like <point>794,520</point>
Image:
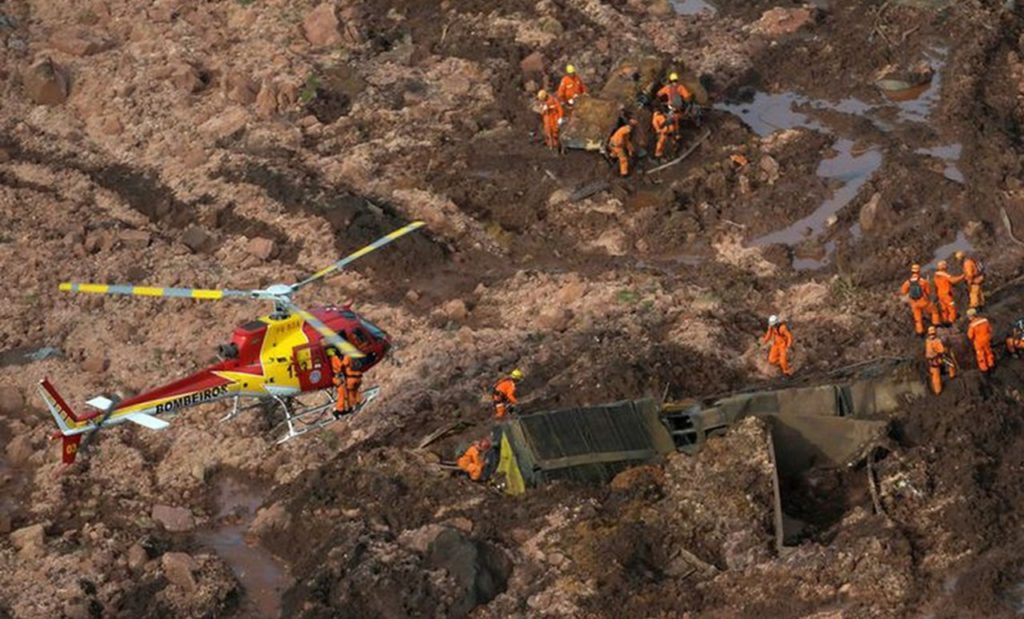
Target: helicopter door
<point>311,367</point>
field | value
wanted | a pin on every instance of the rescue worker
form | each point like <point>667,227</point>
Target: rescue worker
<point>979,331</point>
<point>476,459</point>
<point>781,339</point>
<point>570,87</point>
<point>1015,341</point>
<point>918,294</point>
<point>973,275</point>
<point>552,115</point>
<point>938,357</point>
<point>504,394</point>
<point>621,145</point>
<point>675,95</point>
<point>944,283</point>
<point>665,128</point>
<point>348,380</point>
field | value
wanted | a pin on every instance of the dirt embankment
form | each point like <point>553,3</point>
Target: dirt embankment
<point>237,144</point>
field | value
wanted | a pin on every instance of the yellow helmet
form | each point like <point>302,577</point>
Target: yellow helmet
<point>570,69</point>
<point>932,330</point>
<point>941,265</point>
<point>516,374</point>
<point>673,77</point>
<point>959,255</point>
<point>542,94</point>
<point>972,312</point>
<point>915,268</point>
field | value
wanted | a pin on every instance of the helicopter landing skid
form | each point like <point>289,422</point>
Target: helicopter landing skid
<point>303,419</point>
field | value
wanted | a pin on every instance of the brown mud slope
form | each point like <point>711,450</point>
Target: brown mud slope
<point>241,143</point>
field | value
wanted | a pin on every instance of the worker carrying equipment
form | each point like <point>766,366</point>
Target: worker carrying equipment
<point>570,87</point>
<point>1015,341</point>
<point>918,294</point>
<point>348,380</point>
<point>676,96</point>
<point>552,114</point>
<point>938,357</point>
<point>781,339</point>
<point>979,331</point>
<point>479,460</point>
<point>974,276</point>
<point>944,283</point>
<point>504,394</point>
<point>621,146</point>
<point>665,128</point>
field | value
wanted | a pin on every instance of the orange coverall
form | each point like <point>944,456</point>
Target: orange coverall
<point>1015,341</point>
<point>570,87</point>
<point>348,379</point>
<point>674,95</point>
<point>980,334</point>
<point>504,394</point>
<point>934,353</point>
<point>944,283</point>
<point>553,114</point>
<point>621,146</point>
<point>973,276</point>
<point>665,128</point>
<point>781,339</point>
<point>919,306</point>
<point>472,462</point>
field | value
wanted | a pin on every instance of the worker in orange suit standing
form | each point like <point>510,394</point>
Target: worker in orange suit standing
<point>944,283</point>
<point>676,96</point>
<point>621,145</point>
<point>918,294</point>
<point>504,394</point>
<point>665,128</point>
<point>552,114</point>
<point>348,380</point>
<point>570,87</point>
<point>979,331</point>
<point>781,338</point>
<point>973,275</point>
<point>938,357</point>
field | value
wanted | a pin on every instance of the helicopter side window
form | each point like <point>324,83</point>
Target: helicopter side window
<point>359,337</point>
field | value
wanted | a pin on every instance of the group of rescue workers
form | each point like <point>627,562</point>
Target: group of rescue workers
<point>673,104</point>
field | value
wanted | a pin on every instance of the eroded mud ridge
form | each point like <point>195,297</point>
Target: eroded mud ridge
<point>240,143</point>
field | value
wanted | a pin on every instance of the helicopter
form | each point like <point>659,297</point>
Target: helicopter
<point>273,359</point>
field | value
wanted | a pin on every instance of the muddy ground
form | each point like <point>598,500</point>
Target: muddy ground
<point>241,143</point>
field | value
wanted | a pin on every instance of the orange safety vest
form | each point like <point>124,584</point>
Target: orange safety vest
<point>934,351</point>
<point>472,463</point>
<point>620,140</point>
<point>570,87</point>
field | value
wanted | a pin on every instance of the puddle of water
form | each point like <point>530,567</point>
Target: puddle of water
<point>27,354</point>
<point>812,264</point>
<point>950,153</point>
<point>855,231</point>
<point>262,576</point>
<point>771,112</point>
<point>693,7</point>
<point>960,243</point>
<point>852,170</point>
<point>916,104</point>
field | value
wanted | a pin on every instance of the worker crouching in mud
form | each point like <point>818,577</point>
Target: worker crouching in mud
<point>479,460</point>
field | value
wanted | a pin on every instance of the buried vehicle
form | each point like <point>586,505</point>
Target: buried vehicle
<point>630,88</point>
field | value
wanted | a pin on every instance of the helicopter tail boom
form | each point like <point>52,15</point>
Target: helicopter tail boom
<point>71,424</point>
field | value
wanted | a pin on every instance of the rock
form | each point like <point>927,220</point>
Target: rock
<point>79,41</point>
<point>136,239</point>
<point>551,25</point>
<point>321,26</point>
<point>412,296</point>
<point>137,557</point>
<point>174,519</point>
<point>266,100</point>
<point>197,239</point>
<point>19,449</point>
<point>11,401</point>
<point>533,66</point>
<point>29,541</point>
<point>240,88</point>
<point>868,216</point>
<point>639,478</point>
<point>178,567</point>
<point>570,293</point>
<point>269,521</point>
<point>225,125</point>
<point>420,539</point>
<point>95,363</point>
<point>260,247</point>
<point>5,524</point>
<point>111,126</point>
<point>554,318</point>
<point>45,83</point>
<point>186,77</point>
<point>778,22</point>
<point>455,310</point>
<point>461,523</point>
<point>768,169</point>
<point>479,570</point>
<point>660,8</point>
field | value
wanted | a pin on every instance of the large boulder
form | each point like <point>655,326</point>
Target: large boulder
<point>179,568</point>
<point>321,26</point>
<point>29,541</point>
<point>79,41</point>
<point>45,83</point>
<point>779,21</point>
<point>480,570</point>
<point>174,519</point>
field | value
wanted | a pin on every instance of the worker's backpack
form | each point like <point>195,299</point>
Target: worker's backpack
<point>916,291</point>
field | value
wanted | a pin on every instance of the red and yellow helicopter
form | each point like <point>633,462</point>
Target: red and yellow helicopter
<point>274,359</point>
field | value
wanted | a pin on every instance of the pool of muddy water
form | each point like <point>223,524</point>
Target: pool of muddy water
<point>263,578</point>
<point>693,7</point>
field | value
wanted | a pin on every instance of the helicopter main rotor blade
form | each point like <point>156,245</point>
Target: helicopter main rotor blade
<point>329,335</point>
<point>149,291</point>
<point>381,242</point>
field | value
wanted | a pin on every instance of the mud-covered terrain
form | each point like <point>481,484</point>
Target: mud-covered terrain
<point>240,143</point>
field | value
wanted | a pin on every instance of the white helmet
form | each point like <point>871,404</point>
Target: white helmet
<point>773,320</point>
